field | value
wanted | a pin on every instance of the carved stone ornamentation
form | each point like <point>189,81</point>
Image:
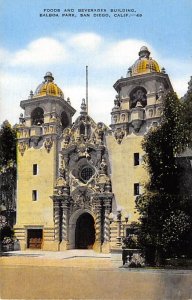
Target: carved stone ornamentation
<point>82,151</point>
<point>56,217</point>
<point>98,134</point>
<point>62,187</point>
<point>48,144</point>
<point>67,137</point>
<point>119,135</point>
<point>65,219</point>
<point>22,146</point>
<point>107,206</point>
<point>82,199</point>
<point>103,167</point>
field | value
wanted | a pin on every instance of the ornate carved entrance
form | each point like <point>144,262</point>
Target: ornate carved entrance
<point>84,232</point>
<point>82,199</point>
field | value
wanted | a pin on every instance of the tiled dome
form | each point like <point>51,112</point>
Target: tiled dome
<point>48,87</point>
<point>144,64</point>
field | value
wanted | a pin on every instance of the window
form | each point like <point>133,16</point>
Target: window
<point>138,94</point>
<point>64,120</point>
<point>34,195</point>
<point>37,116</point>
<point>136,189</point>
<point>87,173</point>
<point>35,169</point>
<point>136,159</point>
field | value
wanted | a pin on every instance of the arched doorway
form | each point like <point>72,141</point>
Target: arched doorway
<point>84,232</point>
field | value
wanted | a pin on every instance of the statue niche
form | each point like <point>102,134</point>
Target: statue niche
<point>138,94</point>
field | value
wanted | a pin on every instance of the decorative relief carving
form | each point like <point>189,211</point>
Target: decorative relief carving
<point>103,166</point>
<point>22,146</point>
<point>82,199</point>
<point>67,137</point>
<point>82,151</point>
<point>119,134</point>
<point>48,144</point>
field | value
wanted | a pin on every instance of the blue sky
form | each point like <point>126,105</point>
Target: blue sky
<point>31,45</point>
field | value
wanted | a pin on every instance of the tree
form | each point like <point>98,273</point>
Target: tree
<point>165,215</point>
<point>187,112</point>
<point>7,167</point>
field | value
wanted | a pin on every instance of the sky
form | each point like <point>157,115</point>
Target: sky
<point>31,45</point>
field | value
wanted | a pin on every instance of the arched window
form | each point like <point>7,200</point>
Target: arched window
<point>138,94</point>
<point>82,128</point>
<point>64,120</point>
<point>37,116</point>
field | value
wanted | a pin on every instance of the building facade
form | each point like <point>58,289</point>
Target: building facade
<point>77,182</point>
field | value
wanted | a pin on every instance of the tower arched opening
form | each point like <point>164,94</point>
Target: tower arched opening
<point>138,94</point>
<point>64,120</point>
<point>37,116</point>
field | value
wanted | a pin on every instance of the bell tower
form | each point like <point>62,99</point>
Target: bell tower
<point>137,107</point>
<point>138,104</point>
<point>46,115</point>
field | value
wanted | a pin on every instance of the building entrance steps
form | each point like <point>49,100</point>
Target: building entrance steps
<point>87,259</point>
<point>60,254</point>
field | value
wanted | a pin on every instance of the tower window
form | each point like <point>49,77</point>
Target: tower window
<point>136,189</point>
<point>64,120</point>
<point>37,116</point>
<point>136,159</point>
<point>138,94</point>
<point>35,169</point>
<point>34,195</point>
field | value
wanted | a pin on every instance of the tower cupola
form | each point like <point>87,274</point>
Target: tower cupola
<point>144,64</point>
<point>48,87</point>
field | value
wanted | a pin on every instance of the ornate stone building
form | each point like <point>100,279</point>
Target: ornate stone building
<point>75,178</point>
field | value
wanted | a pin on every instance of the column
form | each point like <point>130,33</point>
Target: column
<point>97,245</point>
<point>106,243</point>
<point>56,210</point>
<point>107,205</point>
<point>65,221</point>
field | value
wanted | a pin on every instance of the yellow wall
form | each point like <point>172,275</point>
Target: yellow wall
<point>124,173</point>
<point>38,212</point>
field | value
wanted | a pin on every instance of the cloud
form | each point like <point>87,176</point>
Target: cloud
<point>66,56</point>
<point>43,51</point>
<point>180,85</point>
<point>5,56</point>
<point>123,53</point>
<point>85,41</point>
<point>13,89</point>
<point>179,72</point>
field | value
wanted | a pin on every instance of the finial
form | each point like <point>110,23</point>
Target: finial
<point>48,77</point>
<point>21,119</point>
<point>129,72</point>
<point>68,101</point>
<point>31,94</point>
<point>163,70</point>
<point>116,101</point>
<point>83,107</point>
<point>144,52</point>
